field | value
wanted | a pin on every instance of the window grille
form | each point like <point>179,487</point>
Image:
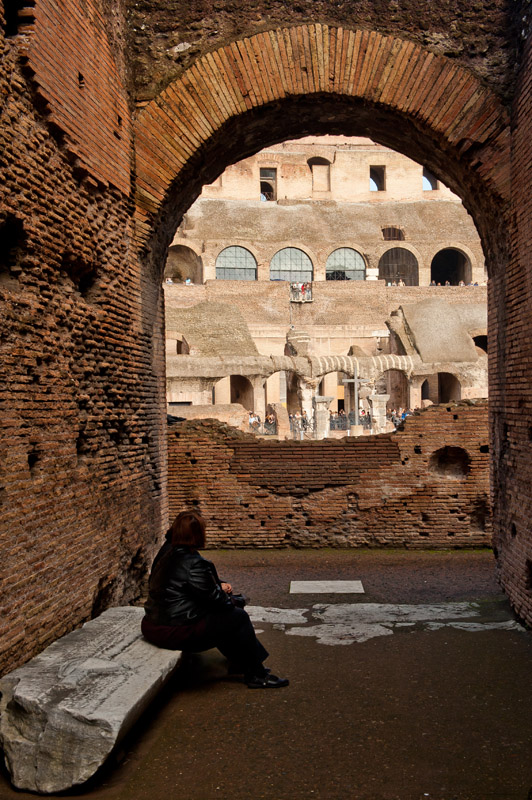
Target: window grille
<point>399,264</point>
<point>236,264</point>
<point>345,264</point>
<point>291,264</point>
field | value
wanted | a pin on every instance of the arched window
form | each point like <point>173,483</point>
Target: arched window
<point>291,264</point>
<point>377,179</point>
<point>236,264</point>
<point>399,264</point>
<point>345,264</point>
<point>430,182</point>
<point>268,184</point>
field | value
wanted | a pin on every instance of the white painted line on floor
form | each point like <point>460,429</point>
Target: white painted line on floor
<point>326,587</point>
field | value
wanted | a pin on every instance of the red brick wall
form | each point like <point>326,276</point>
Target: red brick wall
<point>367,491</point>
<point>81,454</point>
<point>511,355</point>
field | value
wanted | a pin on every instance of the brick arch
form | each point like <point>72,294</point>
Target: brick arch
<point>447,115</point>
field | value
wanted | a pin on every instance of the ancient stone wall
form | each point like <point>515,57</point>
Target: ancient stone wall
<point>511,365</point>
<point>80,461</point>
<point>424,486</point>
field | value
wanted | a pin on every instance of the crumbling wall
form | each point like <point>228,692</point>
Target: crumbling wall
<point>80,457</point>
<point>421,487</point>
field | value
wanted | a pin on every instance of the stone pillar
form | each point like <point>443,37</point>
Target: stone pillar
<point>259,397</point>
<point>414,395</point>
<point>283,422</point>
<point>321,415</point>
<point>273,388</point>
<point>306,391</point>
<point>330,387</point>
<point>222,392</point>
<point>378,411</point>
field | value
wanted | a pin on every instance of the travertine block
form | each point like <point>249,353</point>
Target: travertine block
<point>64,711</point>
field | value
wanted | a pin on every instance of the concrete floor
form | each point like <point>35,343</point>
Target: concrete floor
<point>435,704</point>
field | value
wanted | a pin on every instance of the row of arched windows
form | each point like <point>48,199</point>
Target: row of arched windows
<point>294,265</point>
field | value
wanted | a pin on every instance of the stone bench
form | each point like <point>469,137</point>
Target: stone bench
<point>63,712</point>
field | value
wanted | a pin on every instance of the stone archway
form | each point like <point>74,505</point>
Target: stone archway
<point>452,266</point>
<point>195,127</point>
<point>317,79</point>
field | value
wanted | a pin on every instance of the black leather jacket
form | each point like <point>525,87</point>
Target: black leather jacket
<point>183,587</point>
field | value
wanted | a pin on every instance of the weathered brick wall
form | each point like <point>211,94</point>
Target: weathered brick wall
<point>511,364</point>
<point>477,35</point>
<point>368,491</point>
<point>80,452</point>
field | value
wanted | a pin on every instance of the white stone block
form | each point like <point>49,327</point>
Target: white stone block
<point>62,713</point>
<point>326,587</point>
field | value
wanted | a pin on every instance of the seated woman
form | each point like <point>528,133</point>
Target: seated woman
<point>189,609</point>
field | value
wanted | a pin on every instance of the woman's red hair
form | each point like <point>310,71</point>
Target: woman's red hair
<point>188,529</point>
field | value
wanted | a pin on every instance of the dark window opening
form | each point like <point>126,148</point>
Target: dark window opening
<point>377,179</point>
<point>268,184</point>
<point>450,267</point>
<point>12,245</point>
<point>81,81</point>
<point>392,234</point>
<point>481,342</point>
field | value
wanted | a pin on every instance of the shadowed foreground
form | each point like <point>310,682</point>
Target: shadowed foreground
<point>437,708</point>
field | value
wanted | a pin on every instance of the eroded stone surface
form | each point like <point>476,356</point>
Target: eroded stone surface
<point>63,712</point>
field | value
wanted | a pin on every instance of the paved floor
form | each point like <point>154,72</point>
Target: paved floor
<point>417,688</point>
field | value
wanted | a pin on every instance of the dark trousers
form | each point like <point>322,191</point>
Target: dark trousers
<point>230,631</point>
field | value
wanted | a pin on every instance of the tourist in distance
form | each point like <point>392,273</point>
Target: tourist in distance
<point>190,609</point>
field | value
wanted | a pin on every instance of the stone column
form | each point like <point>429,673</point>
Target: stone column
<point>378,411</point>
<point>259,397</point>
<point>414,395</point>
<point>321,415</point>
<point>330,387</point>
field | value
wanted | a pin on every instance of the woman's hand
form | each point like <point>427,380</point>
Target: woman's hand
<point>227,587</point>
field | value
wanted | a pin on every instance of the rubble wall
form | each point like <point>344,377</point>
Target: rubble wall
<point>394,490</point>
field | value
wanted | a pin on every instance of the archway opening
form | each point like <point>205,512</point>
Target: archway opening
<point>241,392</point>
<point>394,383</point>
<point>183,265</point>
<point>450,266</point>
<point>449,388</point>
